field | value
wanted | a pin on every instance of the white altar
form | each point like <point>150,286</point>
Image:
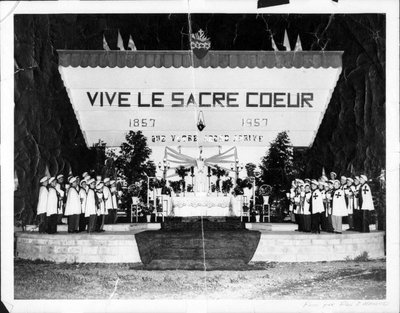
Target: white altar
<point>200,202</point>
<point>205,206</point>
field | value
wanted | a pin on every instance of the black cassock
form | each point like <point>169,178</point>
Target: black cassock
<point>357,213</point>
<point>364,216</point>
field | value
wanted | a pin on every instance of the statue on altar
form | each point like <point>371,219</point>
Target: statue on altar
<point>200,184</point>
<point>200,165</point>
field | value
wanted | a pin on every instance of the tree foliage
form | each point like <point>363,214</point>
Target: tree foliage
<point>277,166</point>
<point>99,149</point>
<point>218,172</point>
<point>175,185</point>
<point>250,168</point>
<point>133,160</point>
<point>181,171</point>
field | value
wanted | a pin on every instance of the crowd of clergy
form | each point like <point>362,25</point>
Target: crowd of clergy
<point>87,202</point>
<point>315,205</point>
<point>321,204</point>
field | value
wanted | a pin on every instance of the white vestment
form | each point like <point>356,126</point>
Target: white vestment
<point>297,205</point>
<point>114,197</point>
<point>61,195</point>
<point>307,200</point>
<point>366,198</point>
<point>107,198</point>
<point>82,197</point>
<point>292,194</point>
<point>317,202</point>
<point>42,201</point>
<point>90,207</point>
<point>73,205</point>
<point>101,205</point>
<point>349,192</point>
<point>357,197</point>
<point>52,202</point>
<point>328,196</point>
<point>339,207</point>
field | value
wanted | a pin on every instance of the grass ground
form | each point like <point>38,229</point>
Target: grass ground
<point>323,280</point>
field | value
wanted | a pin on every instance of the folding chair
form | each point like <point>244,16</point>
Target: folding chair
<point>135,208</point>
<point>266,209</point>
<point>245,201</point>
<point>245,209</point>
<point>162,206</point>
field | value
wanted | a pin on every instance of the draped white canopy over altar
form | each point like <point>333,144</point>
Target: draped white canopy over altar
<point>200,165</point>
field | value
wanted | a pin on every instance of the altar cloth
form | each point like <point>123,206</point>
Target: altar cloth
<point>203,206</point>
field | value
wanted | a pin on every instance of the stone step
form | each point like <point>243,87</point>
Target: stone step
<point>198,224</point>
<point>195,264</point>
<point>217,241</point>
<point>197,253</point>
<point>212,239</point>
<point>189,245</point>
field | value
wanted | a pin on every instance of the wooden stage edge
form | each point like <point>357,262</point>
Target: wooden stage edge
<point>118,244</point>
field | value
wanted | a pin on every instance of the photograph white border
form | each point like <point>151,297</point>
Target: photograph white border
<point>10,8</point>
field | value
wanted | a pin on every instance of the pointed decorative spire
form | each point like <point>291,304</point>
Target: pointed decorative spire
<point>120,43</point>
<point>131,44</point>
<point>298,46</point>
<point>286,42</point>
<point>47,172</point>
<point>274,44</point>
<point>352,169</point>
<point>105,44</point>
<point>16,181</point>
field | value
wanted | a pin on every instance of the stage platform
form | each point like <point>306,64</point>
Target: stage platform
<point>156,226</point>
<point>127,243</point>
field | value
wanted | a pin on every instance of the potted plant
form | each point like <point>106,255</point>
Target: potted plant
<point>176,187</point>
<point>226,186</point>
<point>213,187</point>
<point>166,190</point>
<point>238,191</point>
<point>218,172</point>
<point>265,192</point>
<point>147,211</point>
<point>159,185</point>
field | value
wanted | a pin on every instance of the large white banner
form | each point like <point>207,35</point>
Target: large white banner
<point>239,106</point>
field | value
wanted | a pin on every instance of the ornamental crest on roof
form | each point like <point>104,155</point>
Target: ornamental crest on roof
<point>200,44</point>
